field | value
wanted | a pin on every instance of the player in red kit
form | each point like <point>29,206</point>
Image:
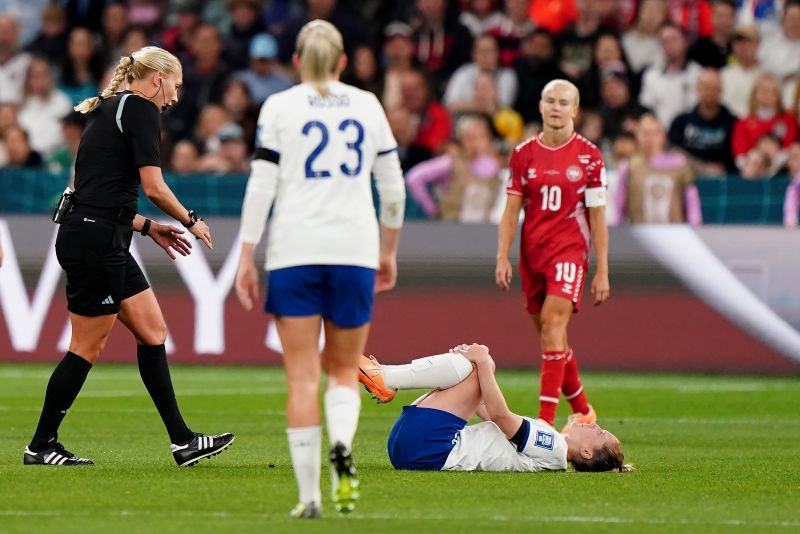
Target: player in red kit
<point>558,177</point>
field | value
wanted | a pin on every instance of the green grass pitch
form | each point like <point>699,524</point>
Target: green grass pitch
<point>713,454</point>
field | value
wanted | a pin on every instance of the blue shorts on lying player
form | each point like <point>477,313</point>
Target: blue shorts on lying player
<point>428,439</point>
<point>342,294</point>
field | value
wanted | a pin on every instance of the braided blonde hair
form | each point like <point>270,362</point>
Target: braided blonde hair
<point>319,45</point>
<point>138,65</point>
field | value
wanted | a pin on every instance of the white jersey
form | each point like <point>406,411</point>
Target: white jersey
<point>484,447</point>
<point>325,148</point>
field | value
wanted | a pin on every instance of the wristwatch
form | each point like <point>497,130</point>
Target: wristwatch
<point>192,219</point>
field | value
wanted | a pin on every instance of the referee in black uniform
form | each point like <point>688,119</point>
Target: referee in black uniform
<point>119,151</point>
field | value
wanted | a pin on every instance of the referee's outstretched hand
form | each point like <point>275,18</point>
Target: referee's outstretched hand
<point>201,231</point>
<point>170,239</point>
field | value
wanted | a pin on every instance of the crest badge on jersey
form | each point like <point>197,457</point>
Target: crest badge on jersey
<point>574,173</point>
<point>544,440</point>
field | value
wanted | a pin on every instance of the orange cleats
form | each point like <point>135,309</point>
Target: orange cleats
<point>371,375</point>
<point>580,419</point>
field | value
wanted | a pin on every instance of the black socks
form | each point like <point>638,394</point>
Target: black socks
<point>62,389</point>
<point>154,371</point>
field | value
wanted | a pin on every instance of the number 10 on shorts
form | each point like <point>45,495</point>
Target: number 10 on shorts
<point>566,271</point>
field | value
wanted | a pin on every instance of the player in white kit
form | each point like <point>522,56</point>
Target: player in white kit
<point>432,433</point>
<point>318,144</point>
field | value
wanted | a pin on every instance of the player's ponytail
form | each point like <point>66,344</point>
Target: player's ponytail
<point>319,47</point>
<point>137,65</point>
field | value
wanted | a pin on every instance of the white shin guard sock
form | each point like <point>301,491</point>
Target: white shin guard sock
<point>305,448</point>
<point>441,371</point>
<point>342,408</point>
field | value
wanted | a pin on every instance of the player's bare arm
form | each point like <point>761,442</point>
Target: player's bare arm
<point>246,283</point>
<point>386,277</point>
<point>506,232</point>
<point>493,400</point>
<point>601,289</point>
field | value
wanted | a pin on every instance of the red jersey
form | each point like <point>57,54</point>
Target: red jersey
<point>553,182</point>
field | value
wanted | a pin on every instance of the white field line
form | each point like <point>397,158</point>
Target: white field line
<point>418,517</point>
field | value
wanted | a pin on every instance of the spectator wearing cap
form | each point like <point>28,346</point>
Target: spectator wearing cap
<point>779,51</point>
<point>460,94</point>
<point>264,77</point>
<point>669,88</point>
<point>607,53</point>
<point>246,23</point>
<point>714,50</point>
<point>510,29</point>
<point>767,118</point>
<point>398,59</point>
<point>641,43</point>
<point>535,67</point>
<point>348,22</point>
<point>13,62</point>
<point>42,108</point>
<point>739,77</point>
<point>704,133</point>
<point>63,159</point>
<point>51,41</point>
<point>617,105</point>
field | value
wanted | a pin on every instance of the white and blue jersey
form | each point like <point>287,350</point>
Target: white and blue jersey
<point>431,440</point>
<point>326,148</point>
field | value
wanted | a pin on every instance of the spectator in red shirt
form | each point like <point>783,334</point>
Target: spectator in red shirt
<point>433,119</point>
<point>510,28</point>
<point>766,117</point>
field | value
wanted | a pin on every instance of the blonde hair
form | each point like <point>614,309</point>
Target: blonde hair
<point>319,47</point>
<point>558,81</point>
<point>138,65</point>
<point>766,78</point>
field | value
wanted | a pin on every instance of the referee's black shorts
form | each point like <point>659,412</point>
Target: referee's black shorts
<point>101,272</point>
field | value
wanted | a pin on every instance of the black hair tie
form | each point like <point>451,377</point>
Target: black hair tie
<point>132,60</point>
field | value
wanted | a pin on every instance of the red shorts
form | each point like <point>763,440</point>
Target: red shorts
<point>563,276</point>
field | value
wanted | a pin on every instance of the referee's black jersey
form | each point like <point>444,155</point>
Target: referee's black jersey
<point>122,134</point>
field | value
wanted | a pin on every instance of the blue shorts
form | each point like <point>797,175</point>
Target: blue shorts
<point>342,294</point>
<point>422,438</point>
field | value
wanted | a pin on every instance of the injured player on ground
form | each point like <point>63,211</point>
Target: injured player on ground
<point>432,433</point>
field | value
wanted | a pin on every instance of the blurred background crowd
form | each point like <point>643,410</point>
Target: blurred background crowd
<point>671,90</point>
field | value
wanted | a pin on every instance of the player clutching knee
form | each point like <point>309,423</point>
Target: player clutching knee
<point>432,433</point>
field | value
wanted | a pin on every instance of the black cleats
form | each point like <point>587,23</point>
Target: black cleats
<point>55,454</point>
<point>199,447</point>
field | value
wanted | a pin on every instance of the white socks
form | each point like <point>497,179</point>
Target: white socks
<point>342,407</point>
<point>441,371</point>
<point>305,448</point>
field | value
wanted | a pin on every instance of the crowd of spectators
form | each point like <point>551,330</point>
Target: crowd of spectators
<point>669,88</point>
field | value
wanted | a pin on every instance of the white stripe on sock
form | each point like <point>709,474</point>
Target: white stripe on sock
<point>570,397</point>
<point>554,400</point>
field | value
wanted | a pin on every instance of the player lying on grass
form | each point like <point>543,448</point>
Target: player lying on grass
<point>432,433</point>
